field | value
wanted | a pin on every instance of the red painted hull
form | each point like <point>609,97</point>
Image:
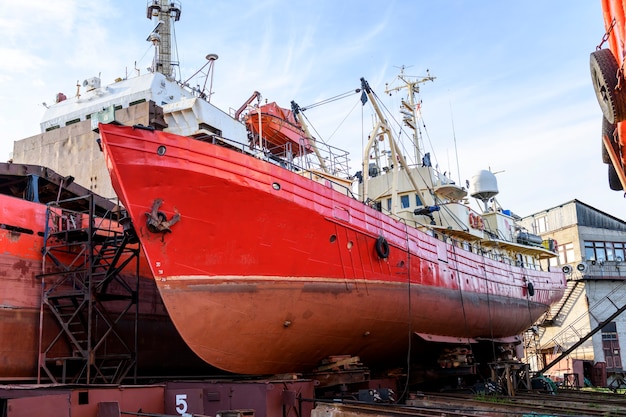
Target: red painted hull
<point>20,300</point>
<point>270,272</point>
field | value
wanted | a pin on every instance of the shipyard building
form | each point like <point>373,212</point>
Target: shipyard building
<point>578,342</point>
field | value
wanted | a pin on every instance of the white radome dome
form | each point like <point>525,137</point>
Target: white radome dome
<point>483,185</point>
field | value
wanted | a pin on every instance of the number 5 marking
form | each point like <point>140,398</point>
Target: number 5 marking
<point>181,403</point>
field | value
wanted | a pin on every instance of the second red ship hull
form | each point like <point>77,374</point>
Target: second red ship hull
<point>24,330</point>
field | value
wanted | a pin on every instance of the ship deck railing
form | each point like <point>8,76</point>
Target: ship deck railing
<point>336,161</point>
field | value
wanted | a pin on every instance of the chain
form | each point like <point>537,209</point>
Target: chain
<point>606,35</point>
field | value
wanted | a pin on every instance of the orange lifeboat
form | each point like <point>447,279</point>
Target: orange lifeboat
<point>280,129</point>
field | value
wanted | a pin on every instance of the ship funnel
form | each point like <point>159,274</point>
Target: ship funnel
<point>483,185</point>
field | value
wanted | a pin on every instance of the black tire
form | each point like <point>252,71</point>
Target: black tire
<point>614,182</point>
<point>531,288</point>
<point>604,69</point>
<point>382,247</point>
<point>608,129</point>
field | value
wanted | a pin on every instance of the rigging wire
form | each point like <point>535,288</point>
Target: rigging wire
<point>148,49</point>
<point>343,121</point>
<point>487,280</point>
<point>410,315</point>
<point>458,275</point>
<point>331,99</point>
<point>180,76</point>
<point>326,101</point>
<point>319,136</point>
<point>456,150</point>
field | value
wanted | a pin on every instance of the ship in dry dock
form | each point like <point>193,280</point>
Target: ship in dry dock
<point>273,264</point>
<point>270,255</point>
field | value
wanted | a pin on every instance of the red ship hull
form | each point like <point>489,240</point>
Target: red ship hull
<point>22,225</point>
<point>270,272</point>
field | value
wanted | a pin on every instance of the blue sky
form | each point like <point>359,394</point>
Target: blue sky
<point>512,84</point>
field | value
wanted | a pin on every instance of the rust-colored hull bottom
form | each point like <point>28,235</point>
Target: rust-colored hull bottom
<point>263,327</point>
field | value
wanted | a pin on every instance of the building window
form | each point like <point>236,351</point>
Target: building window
<point>604,251</point>
<point>618,249</point>
<point>404,201</point>
<point>418,201</point>
<point>610,346</point>
<point>541,224</point>
<point>566,254</point>
<point>389,204</point>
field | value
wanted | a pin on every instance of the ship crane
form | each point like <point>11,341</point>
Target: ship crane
<point>382,131</point>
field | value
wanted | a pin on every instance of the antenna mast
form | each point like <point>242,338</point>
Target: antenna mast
<point>409,108</point>
<point>163,11</point>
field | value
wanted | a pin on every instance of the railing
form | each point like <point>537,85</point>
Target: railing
<point>605,270</point>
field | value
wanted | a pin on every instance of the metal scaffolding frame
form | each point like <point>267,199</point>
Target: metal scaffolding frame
<point>90,285</point>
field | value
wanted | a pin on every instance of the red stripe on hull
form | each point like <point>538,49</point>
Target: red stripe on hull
<point>245,218</point>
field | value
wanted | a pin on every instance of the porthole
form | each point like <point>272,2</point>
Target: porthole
<point>333,238</point>
<point>161,150</point>
<point>276,186</point>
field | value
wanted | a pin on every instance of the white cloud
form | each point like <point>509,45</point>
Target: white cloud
<point>512,77</point>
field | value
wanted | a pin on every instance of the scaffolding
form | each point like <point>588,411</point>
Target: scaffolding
<point>89,303</point>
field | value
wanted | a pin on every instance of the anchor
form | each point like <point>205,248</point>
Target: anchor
<point>157,220</point>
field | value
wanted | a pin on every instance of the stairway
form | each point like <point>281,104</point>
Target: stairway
<point>575,334</point>
<point>90,284</point>
<point>559,312</point>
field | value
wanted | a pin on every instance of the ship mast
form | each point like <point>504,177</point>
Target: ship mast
<point>409,108</point>
<point>163,11</point>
